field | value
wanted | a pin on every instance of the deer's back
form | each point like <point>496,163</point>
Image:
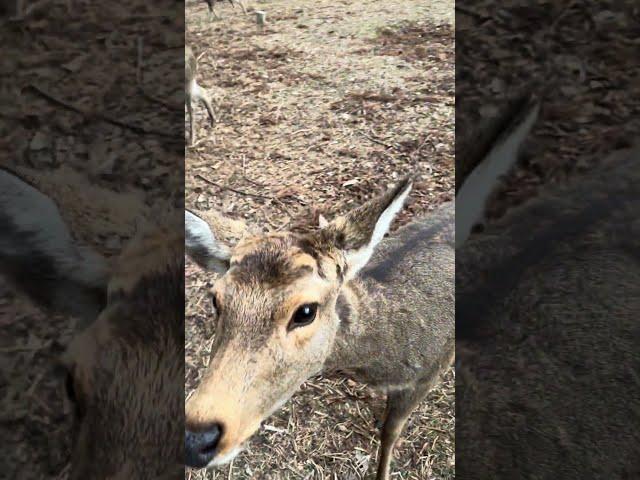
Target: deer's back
<point>554,290</point>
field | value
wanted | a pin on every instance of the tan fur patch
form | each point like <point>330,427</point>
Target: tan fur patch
<point>224,398</point>
<point>80,355</point>
<point>228,230</point>
<point>249,245</point>
<point>145,256</point>
<point>304,260</point>
<point>245,247</point>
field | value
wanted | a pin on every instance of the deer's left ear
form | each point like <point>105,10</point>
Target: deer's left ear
<point>210,237</point>
<point>358,232</point>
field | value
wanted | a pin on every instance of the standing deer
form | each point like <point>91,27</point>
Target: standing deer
<point>213,13</point>
<point>547,308</point>
<point>125,366</point>
<point>290,306</point>
<point>193,91</point>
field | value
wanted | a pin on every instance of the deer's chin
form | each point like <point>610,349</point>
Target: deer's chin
<point>220,460</point>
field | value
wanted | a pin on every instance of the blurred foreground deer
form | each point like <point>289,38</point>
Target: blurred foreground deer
<point>291,306</point>
<point>547,309</point>
<point>194,92</point>
<point>125,365</point>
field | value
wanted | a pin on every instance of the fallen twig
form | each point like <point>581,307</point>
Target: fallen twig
<point>379,142</point>
<point>234,190</point>
<point>277,202</point>
<point>134,128</point>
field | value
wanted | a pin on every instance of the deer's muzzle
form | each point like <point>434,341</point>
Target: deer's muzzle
<point>200,446</point>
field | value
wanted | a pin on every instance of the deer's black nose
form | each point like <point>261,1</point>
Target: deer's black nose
<point>200,446</point>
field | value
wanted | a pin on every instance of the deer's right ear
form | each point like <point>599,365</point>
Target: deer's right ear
<point>503,153</point>
<point>39,256</point>
<point>208,242</point>
<point>358,232</point>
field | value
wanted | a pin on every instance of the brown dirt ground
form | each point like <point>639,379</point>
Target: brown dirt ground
<point>332,103</point>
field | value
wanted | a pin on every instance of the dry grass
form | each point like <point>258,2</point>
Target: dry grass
<point>334,101</point>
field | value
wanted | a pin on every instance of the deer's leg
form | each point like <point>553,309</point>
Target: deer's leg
<point>400,405</point>
<point>212,11</point>
<point>241,3</point>
<point>192,130</point>
<point>207,103</point>
<point>203,96</point>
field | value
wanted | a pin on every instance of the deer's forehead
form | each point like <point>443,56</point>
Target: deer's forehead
<point>273,262</point>
<point>285,245</point>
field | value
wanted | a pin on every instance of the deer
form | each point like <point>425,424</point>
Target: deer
<point>213,13</point>
<point>123,368</point>
<point>289,306</point>
<point>547,303</point>
<point>194,92</point>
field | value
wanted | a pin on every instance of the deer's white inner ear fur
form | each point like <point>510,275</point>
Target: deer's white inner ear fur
<point>357,259</point>
<point>33,229</point>
<point>474,192</point>
<point>202,246</point>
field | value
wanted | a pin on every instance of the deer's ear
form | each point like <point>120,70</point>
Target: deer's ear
<point>358,232</point>
<point>502,144</point>
<point>38,253</point>
<point>209,238</point>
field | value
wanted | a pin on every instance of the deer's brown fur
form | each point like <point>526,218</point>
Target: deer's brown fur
<point>128,364</point>
<point>559,297</point>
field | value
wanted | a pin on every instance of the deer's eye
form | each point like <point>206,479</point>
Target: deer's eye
<point>73,395</point>
<point>214,303</point>
<point>304,315</point>
<point>70,388</point>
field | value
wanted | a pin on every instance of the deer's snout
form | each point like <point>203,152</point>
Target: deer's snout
<point>200,446</point>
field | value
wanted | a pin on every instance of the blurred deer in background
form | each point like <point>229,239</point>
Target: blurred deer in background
<point>213,13</point>
<point>125,366</point>
<point>194,92</point>
<point>290,306</point>
<point>547,308</point>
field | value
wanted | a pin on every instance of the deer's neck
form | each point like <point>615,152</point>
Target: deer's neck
<point>351,307</point>
<point>397,316</point>
<point>356,331</point>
